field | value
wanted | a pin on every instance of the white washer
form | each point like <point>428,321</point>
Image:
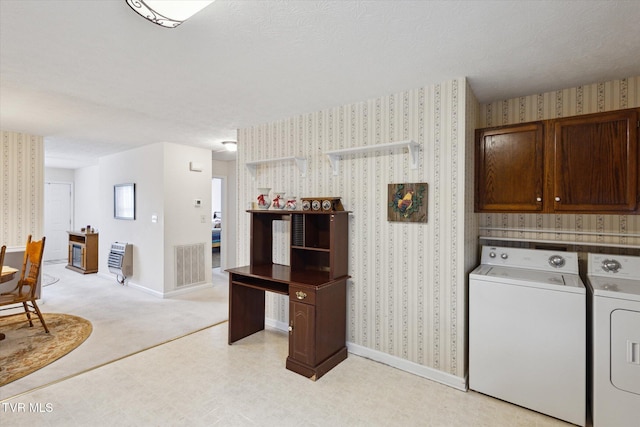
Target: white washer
<point>614,291</point>
<point>527,330</point>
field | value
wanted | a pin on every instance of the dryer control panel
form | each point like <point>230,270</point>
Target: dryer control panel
<point>620,266</point>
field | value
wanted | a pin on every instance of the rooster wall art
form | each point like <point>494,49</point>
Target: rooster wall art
<point>407,202</point>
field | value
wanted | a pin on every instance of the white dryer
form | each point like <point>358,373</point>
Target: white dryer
<point>527,330</point>
<point>614,293</point>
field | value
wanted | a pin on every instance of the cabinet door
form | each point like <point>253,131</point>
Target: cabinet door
<point>595,162</point>
<point>84,257</point>
<point>302,332</point>
<point>509,168</point>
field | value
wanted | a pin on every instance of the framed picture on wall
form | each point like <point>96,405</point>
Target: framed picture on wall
<point>124,201</point>
<point>407,202</point>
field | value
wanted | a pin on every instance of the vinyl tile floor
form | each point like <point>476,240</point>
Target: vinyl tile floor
<point>125,320</point>
<point>199,380</point>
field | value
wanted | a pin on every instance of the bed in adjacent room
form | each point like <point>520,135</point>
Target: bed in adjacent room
<point>216,230</point>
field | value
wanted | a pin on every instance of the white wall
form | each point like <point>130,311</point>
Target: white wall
<point>86,201</point>
<point>216,195</point>
<point>144,167</point>
<point>227,170</point>
<point>87,197</point>
<point>185,224</point>
<point>232,207</point>
<point>58,175</point>
<point>165,187</point>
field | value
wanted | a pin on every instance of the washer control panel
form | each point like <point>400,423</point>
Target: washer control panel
<point>556,261</point>
<point>535,259</point>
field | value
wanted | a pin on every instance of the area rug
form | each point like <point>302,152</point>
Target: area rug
<point>26,349</point>
<point>48,280</point>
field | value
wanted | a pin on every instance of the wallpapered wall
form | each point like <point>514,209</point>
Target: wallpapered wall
<point>406,297</point>
<point>22,186</point>
<point>581,229</point>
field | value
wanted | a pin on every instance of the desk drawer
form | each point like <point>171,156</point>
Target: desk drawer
<point>302,294</point>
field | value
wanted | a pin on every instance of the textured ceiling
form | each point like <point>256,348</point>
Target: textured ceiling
<point>95,78</point>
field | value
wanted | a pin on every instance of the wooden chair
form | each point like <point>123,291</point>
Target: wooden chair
<point>25,290</point>
<point>2,252</point>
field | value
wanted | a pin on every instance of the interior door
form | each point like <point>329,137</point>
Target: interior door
<point>57,219</point>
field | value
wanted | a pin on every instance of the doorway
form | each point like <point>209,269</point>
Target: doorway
<point>217,222</point>
<point>57,220</point>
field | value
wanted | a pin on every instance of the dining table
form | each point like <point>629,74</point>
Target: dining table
<point>8,273</point>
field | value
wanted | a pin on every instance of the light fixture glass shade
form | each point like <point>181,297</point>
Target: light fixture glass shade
<point>167,13</point>
<point>230,145</point>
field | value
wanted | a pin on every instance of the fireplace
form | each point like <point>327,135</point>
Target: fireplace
<point>76,255</point>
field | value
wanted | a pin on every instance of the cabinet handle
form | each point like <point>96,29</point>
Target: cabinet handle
<point>557,199</point>
<point>538,199</point>
<point>291,326</point>
<point>301,295</point>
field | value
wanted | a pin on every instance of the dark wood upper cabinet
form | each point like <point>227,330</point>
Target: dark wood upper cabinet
<point>595,162</point>
<point>509,168</point>
<point>581,164</point>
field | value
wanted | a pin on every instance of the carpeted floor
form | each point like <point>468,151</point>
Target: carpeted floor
<point>215,257</point>
<point>26,349</point>
<point>125,320</point>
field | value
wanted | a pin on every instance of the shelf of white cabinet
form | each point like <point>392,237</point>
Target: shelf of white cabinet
<point>412,146</point>
<point>301,162</point>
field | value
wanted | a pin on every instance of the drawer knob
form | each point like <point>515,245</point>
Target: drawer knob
<point>301,295</point>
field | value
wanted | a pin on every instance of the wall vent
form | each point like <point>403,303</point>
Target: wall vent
<point>189,264</point>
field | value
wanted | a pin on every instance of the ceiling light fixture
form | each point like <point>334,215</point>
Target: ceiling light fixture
<point>230,145</point>
<point>167,13</point>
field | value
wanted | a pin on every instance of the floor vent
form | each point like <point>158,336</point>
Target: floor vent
<point>189,264</point>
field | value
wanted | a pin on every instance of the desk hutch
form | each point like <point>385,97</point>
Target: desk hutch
<point>315,283</point>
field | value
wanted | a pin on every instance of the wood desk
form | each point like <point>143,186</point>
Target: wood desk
<point>317,313</point>
<point>7,274</point>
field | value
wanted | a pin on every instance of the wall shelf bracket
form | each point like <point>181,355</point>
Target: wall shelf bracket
<point>301,162</point>
<point>335,155</point>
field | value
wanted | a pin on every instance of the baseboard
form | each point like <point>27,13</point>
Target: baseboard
<point>276,324</point>
<point>459,383</point>
<point>432,374</point>
<point>159,294</point>
<point>187,290</point>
